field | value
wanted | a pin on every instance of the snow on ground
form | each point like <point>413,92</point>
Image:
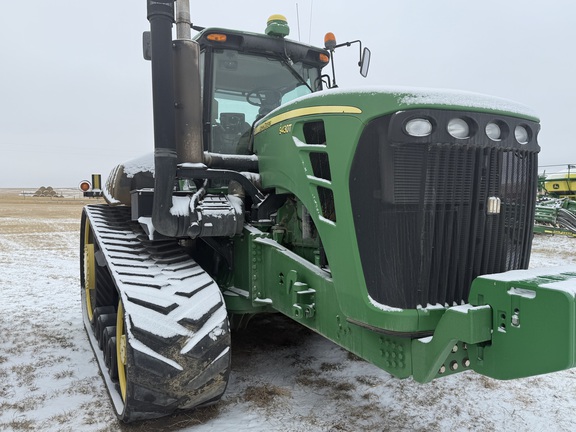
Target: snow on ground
<point>284,377</point>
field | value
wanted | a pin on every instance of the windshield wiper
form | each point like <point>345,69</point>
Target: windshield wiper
<point>287,62</point>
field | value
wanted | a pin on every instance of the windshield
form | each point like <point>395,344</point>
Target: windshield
<point>247,87</point>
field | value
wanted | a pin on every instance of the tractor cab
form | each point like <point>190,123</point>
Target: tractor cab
<point>245,76</point>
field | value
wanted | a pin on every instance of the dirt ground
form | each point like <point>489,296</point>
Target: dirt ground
<point>284,377</point>
<point>15,204</point>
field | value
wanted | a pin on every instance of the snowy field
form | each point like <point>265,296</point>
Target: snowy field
<point>284,378</point>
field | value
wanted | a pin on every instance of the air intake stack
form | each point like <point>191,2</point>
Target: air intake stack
<point>176,107</point>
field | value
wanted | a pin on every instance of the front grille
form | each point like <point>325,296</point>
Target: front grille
<point>423,227</point>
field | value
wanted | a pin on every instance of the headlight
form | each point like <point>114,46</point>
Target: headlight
<point>493,131</point>
<point>458,128</point>
<point>522,135</point>
<point>419,127</point>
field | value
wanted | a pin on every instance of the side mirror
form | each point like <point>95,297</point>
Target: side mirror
<point>365,62</point>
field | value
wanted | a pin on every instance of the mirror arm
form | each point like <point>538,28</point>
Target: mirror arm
<point>347,44</point>
<point>361,58</point>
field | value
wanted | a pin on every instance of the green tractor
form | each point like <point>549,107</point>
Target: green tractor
<point>392,221</point>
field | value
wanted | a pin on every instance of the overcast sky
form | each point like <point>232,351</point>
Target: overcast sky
<point>75,92</point>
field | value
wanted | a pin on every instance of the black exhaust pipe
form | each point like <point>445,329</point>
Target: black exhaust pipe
<point>161,17</point>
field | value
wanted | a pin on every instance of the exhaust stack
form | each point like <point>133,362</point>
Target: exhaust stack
<point>174,118</point>
<point>178,131</point>
<point>183,22</point>
<point>189,146</point>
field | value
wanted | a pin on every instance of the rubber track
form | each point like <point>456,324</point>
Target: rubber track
<point>177,322</point>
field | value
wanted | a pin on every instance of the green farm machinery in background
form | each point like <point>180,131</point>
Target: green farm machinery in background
<point>556,204</point>
<point>394,221</point>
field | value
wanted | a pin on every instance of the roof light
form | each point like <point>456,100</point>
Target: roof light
<point>217,37</point>
<point>330,41</point>
<point>324,58</point>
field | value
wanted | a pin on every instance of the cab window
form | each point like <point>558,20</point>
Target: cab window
<point>246,87</point>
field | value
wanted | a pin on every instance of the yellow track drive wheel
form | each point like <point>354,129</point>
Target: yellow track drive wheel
<point>98,293</point>
<point>88,269</point>
<point>121,352</point>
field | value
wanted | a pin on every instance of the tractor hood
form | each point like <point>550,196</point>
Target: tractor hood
<point>370,102</point>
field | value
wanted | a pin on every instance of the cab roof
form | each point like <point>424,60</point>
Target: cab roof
<point>264,45</point>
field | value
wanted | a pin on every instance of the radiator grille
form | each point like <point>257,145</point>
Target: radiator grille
<point>425,233</point>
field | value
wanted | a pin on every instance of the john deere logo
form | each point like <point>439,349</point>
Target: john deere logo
<point>494,204</point>
<point>285,129</point>
<point>555,186</point>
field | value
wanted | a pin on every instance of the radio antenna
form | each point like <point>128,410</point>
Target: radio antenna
<point>310,29</point>
<point>298,20</point>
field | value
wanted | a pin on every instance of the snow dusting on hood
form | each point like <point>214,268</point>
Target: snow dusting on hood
<point>461,98</point>
<point>428,96</point>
